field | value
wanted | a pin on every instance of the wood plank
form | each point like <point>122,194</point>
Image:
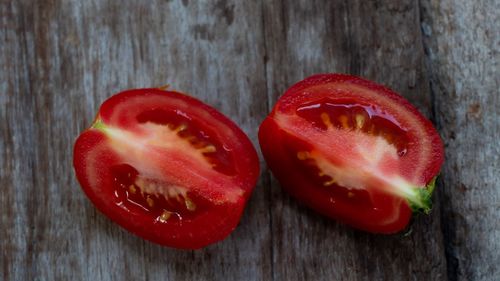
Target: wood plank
<point>378,41</point>
<point>462,40</point>
<point>59,60</point>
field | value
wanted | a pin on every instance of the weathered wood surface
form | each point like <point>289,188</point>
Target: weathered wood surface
<point>60,59</point>
<point>462,41</point>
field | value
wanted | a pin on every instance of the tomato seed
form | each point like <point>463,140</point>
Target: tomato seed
<point>303,155</point>
<point>165,216</point>
<point>132,189</point>
<point>181,128</point>
<point>328,183</point>
<point>326,120</point>
<point>190,205</point>
<point>150,202</point>
<point>208,149</point>
<point>360,121</point>
<point>345,123</point>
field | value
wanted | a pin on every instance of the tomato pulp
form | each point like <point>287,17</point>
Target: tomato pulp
<point>353,150</point>
<point>166,167</point>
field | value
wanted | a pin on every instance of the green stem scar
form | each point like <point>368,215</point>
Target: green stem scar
<point>420,199</point>
<point>99,125</point>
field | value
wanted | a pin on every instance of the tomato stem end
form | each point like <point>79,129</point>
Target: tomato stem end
<point>98,124</point>
<point>420,199</point>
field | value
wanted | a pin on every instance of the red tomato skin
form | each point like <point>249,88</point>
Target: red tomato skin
<point>280,161</point>
<point>207,228</point>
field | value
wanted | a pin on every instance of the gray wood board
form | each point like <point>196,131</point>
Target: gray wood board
<point>462,42</point>
<point>60,59</point>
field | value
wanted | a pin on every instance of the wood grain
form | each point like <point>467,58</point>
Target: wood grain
<point>333,36</point>
<point>59,60</point>
<point>462,40</point>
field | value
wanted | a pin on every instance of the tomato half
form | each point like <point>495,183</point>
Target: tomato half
<point>166,167</point>
<point>353,150</point>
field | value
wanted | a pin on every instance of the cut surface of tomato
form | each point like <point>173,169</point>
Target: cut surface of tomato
<point>166,167</point>
<point>353,150</point>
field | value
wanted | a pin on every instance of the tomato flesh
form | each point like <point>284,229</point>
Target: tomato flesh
<point>163,166</point>
<point>142,195</point>
<point>352,150</point>
<point>191,130</point>
<point>350,115</point>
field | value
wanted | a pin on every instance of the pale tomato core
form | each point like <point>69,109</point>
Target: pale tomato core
<point>190,131</point>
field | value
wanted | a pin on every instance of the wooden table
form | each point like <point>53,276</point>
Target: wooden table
<point>60,59</point>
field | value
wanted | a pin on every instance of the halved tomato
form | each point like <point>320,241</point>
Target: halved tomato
<point>353,150</point>
<point>166,167</point>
